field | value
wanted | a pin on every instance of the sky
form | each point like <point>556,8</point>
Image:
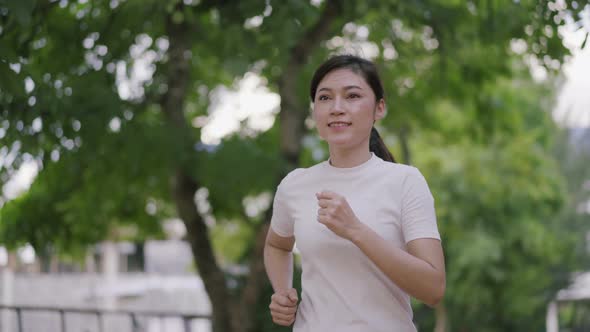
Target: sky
<point>573,103</point>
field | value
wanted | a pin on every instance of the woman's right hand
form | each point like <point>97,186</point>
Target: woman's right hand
<point>283,307</point>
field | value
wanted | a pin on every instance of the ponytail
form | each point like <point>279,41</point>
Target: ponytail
<point>377,146</point>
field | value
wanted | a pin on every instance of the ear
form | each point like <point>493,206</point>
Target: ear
<point>380,109</point>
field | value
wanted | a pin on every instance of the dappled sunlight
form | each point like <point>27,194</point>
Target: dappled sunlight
<point>250,106</point>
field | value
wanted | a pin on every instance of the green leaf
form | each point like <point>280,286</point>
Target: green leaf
<point>22,9</point>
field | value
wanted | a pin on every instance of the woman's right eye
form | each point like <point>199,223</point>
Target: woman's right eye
<point>323,97</point>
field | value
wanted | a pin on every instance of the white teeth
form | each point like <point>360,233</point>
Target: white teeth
<point>339,124</point>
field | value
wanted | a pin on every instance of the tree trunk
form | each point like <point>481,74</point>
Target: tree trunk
<point>213,277</point>
<point>403,139</point>
<point>440,313</point>
<point>183,185</point>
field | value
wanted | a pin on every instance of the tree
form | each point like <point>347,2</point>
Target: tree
<point>106,152</point>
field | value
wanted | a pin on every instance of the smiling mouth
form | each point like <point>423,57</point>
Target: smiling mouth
<point>339,124</point>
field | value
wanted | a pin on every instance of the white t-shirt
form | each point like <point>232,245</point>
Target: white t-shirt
<point>342,290</point>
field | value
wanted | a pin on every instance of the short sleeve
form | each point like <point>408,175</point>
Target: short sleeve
<point>281,221</point>
<point>418,214</point>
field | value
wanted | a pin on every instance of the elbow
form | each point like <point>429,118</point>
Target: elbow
<point>435,299</point>
<point>437,294</point>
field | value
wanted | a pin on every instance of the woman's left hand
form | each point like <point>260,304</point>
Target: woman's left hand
<point>335,213</point>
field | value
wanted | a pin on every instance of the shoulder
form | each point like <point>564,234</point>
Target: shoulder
<point>291,177</point>
<point>300,176</point>
<point>400,171</point>
<point>401,178</point>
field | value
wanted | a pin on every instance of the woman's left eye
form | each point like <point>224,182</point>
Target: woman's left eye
<point>353,95</point>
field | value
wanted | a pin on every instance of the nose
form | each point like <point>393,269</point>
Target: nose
<point>337,106</point>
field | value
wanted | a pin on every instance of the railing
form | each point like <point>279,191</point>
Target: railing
<point>187,319</point>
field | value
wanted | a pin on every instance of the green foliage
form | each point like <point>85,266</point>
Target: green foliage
<point>574,316</point>
<point>239,167</point>
<point>495,215</point>
<point>20,10</point>
<point>474,121</point>
<point>77,200</point>
<point>573,153</point>
<point>498,192</point>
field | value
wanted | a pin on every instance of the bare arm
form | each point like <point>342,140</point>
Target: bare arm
<point>278,260</point>
<point>420,271</point>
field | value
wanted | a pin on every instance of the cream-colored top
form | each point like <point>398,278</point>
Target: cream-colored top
<point>342,290</point>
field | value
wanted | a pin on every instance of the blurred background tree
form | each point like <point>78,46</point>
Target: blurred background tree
<point>110,99</point>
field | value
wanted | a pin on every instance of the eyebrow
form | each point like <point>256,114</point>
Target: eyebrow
<point>348,87</point>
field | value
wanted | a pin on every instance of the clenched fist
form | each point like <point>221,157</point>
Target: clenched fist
<point>335,213</point>
<point>283,307</point>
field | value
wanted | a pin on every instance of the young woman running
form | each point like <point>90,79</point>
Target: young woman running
<point>365,226</point>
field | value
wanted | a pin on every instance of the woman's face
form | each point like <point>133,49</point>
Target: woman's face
<point>345,109</point>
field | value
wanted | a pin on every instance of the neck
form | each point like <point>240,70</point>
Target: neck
<point>346,158</point>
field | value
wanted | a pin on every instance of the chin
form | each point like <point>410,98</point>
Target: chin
<point>340,143</point>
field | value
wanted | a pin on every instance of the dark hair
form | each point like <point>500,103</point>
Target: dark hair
<point>368,71</point>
